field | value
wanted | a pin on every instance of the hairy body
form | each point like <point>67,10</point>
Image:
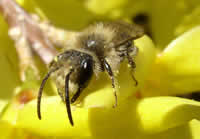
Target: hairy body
<point>100,47</point>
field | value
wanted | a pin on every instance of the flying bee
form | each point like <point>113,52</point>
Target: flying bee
<point>99,48</point>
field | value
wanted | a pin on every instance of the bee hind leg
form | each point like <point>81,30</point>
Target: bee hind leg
<point>132,67</point>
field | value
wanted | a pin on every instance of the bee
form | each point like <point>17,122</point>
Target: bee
<point>101,47</point>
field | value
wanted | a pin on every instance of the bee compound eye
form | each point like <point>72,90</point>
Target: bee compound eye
<point>85,65</point>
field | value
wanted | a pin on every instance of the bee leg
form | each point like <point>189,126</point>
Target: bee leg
<point>132,67</point>
<point>61,95</point>
<point>67,100</point>
<point>110,73</point>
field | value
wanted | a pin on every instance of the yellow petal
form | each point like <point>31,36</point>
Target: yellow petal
<point>194,126</point>
<point>161,113</point>
<point>157,117</point>
<point>189,21</point>
<point>54,119</point>
<point>3,104</point>
<point>166,16</point>
<point>6,130</point>
<point>10,114</point>
<point>181,56</point>
<point>186,131</point>
<point>177,70</point>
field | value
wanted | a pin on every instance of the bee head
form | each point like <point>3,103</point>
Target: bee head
<point>80,70</point>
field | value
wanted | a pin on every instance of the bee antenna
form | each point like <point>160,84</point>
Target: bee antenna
<point>67,100</point>
<point>41,90</point>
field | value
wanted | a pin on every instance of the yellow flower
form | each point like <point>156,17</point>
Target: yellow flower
<point>166,69</point>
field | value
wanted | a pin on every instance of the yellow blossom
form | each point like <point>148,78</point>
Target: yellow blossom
<point>168,65</point>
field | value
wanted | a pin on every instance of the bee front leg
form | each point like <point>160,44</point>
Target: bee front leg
<point>67,100</point>
<point>110,73</point>
<point>76,95</point>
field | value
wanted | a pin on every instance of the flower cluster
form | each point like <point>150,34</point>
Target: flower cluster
<point>168,69</point>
